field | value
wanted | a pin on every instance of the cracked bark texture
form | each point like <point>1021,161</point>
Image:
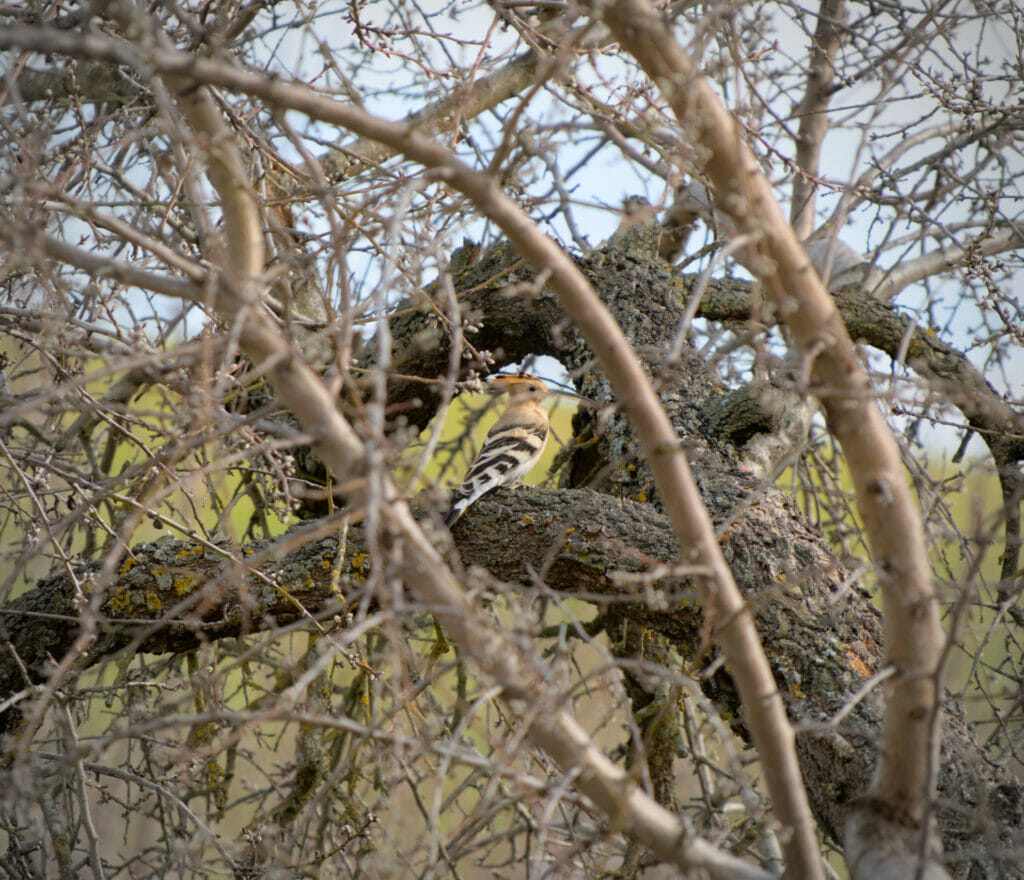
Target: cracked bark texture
<point>822,638</point>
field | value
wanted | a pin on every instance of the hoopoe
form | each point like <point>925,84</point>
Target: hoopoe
<point>512,446</point>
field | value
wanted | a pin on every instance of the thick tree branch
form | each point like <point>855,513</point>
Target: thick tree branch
<point>948,372</point>
<point>90,81</point>
<point>914,636</point>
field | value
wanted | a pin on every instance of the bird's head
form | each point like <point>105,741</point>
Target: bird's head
<point>520,388</point>
<point>524,387</point>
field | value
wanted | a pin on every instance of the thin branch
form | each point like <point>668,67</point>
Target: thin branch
<point>860,189</point>
<point>163,791</point>
<point>99,266</point>
<point>813,113</point>
<point>463,103</point>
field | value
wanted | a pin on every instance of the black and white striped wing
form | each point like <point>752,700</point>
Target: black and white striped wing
<point>508,453</point>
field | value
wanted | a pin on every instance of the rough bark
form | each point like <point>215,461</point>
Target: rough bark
<point>821,637</point>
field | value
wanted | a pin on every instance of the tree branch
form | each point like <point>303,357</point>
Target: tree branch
<point>813,113</point>
<point>914,637</point>
<point>890,282</point>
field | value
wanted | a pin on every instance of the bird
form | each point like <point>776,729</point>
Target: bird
<point>512,446</point>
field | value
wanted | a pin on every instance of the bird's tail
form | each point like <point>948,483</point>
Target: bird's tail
<point>456,511</point>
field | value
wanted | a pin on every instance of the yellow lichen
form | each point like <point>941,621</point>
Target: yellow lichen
<point>153,603</point>
<point>121,600</point>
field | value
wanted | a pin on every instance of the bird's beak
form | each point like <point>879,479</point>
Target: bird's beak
<point>562,392</point>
